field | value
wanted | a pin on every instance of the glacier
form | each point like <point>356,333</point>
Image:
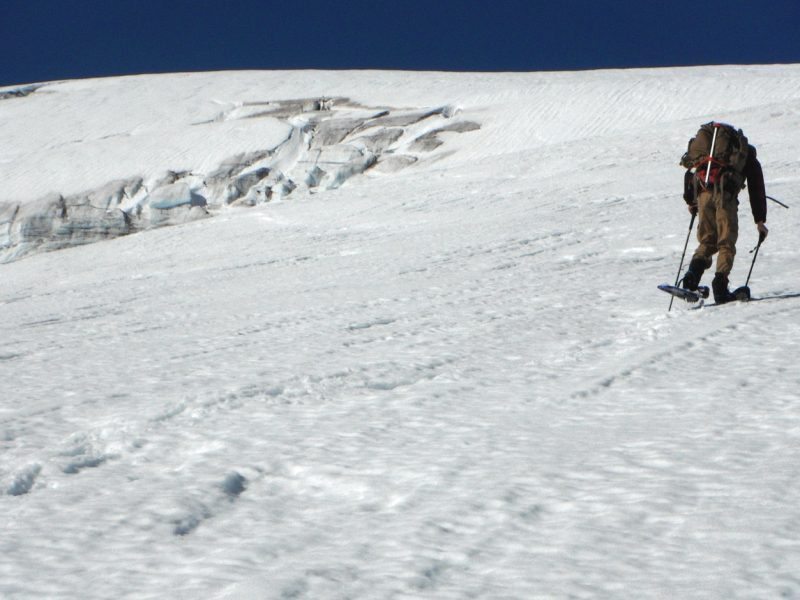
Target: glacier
<point>325,142</point>
<point>383,335</point>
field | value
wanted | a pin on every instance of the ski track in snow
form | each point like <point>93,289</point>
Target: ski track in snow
<point>456,381</point>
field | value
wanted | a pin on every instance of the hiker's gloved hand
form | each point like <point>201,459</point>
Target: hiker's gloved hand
<point>692,209</point>
<point>762,231</point>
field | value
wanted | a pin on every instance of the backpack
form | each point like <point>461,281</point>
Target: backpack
<point>726,164</point>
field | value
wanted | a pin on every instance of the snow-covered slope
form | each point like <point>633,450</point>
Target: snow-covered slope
<point>402,341</point>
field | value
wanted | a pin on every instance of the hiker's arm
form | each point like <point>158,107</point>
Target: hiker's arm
<point>755,187</point>
<point>688,192</point>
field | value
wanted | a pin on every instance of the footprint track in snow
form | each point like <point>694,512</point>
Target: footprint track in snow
<point>679,352</point>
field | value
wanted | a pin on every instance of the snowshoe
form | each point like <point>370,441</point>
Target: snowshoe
<point>698,295</point>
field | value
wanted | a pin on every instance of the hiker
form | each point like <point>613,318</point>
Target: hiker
<point>719,162</point>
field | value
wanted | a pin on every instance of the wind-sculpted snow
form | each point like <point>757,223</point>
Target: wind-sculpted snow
<point>329,141</point>
<point>450,377</point>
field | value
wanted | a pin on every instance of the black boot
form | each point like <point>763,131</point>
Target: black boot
<point>692,277</point>
<point>720,288</point>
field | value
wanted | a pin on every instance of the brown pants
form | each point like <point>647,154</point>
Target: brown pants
<point>717,229</point>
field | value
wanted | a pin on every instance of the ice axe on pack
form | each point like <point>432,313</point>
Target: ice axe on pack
<point>711,154</point>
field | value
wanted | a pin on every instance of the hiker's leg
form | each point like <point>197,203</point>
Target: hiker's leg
<point>727,232</point>
<point>706,229</point>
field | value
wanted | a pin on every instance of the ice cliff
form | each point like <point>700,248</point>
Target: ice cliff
<point>326,141</point>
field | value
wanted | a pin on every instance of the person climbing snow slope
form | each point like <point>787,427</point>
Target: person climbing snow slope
<point>719,163</point>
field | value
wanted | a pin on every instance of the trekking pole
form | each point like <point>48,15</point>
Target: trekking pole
<point>760,241</point>
<point>758,246</point>
<point>752,264</point>
<point>680,267</point>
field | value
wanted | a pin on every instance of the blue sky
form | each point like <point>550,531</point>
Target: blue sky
<point>61,39</point>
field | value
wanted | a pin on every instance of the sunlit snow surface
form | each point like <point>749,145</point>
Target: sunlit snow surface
<point>454,379</point>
